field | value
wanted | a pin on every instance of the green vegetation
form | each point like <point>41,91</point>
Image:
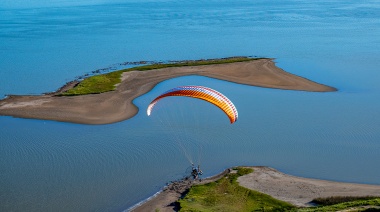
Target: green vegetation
<point>96,84</point>
<point>226,195</point>
<point>340,199</point>
<point>357,205</point>
<point>193,63</point>
<point>106,82</point>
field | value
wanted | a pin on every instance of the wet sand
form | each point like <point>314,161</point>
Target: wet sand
<point>295,190</point>
<point>115,106</point>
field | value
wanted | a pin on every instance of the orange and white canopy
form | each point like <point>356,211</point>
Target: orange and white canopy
<point>204,93</point>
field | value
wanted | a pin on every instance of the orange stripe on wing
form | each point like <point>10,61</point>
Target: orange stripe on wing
<point>224,106</point>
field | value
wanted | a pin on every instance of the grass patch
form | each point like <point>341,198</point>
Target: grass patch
<point>340,199</point>
<point>194,63</point>
<point>106,82</point>
<point>95,84</point>
<point>226,195</point>
<point>357,205</point>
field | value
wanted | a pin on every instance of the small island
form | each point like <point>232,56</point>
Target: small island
<point>107,98</point>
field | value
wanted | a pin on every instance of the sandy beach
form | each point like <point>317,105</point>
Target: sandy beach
<point>295,190</point>
<point>115,106</point>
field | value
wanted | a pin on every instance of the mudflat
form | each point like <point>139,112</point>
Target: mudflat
<point>116,106</point>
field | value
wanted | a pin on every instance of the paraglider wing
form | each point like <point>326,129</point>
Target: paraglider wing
<point>203,93</point>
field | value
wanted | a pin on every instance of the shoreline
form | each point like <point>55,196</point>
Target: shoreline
<point>116,106</point>
<point>165,198</point>
<point>295,190</point>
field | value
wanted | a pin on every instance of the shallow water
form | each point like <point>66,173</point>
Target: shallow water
<point>53,166</point>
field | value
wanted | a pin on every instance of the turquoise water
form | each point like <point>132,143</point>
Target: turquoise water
<point>54,166</point>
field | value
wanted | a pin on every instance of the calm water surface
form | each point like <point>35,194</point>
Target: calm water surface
<point>54,166</point>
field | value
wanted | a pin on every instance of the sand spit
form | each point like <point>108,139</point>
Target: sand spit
<point>300,191</point>
<point>295,190</point>
<point>117,105</point>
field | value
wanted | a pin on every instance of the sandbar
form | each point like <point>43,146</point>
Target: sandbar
<point>295,190</point>
<point>116,106</point>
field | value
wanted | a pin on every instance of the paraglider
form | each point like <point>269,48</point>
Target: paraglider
<point>196,172</point>
<point>198,92</point>
<point>203,93</point>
